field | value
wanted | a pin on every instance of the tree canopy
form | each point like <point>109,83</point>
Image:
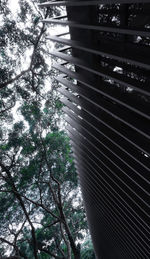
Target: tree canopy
<point>42,214</point>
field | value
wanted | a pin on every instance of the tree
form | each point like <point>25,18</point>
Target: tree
<point>42,214</point>
<point>39,185</point>
<point>24,53</point>
<point>87,250</point>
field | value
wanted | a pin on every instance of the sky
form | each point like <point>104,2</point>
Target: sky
<point>54,30</point>
<point>13,6</point>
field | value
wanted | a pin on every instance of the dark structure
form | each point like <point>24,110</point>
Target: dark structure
<point>107,100</point>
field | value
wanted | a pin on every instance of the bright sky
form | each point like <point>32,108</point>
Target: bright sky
<point>25,60</point>
<point>13,4</point>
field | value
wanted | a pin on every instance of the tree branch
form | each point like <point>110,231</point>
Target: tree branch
<point>16,193</point>
<point>58,202</point>
<point>2,85</point>
<point>42,206</point>
<point>59,248</point>
<point>51,254</point>
<point>66,241</point>
<point>10,81</point>
<point>15,247</point>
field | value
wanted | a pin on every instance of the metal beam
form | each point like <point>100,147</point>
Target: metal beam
<point>111,109</point>
<point>124,57</point>
<point>89,3</point>
<point>105,73</point>
<point>126,31</point>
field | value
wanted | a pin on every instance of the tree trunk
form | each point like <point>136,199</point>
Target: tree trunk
<point>77,254</point>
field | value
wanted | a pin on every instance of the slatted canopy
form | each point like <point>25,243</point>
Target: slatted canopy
<point>105,86</point>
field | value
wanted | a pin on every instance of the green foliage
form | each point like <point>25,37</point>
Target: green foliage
<point>36,164</point>
<point>87,251</point>
<point>38,157</point>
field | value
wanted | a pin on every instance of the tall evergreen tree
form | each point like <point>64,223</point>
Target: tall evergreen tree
<point>41,214</point>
